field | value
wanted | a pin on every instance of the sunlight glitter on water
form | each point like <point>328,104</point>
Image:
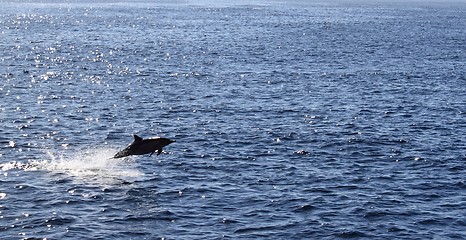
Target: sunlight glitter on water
<point>293,121</point>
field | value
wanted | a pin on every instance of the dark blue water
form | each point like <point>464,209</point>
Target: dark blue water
<point>291,120</point>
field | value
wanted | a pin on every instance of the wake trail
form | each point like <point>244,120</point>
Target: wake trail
<point>87,164</point>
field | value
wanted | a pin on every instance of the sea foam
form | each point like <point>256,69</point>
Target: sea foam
<point>87,164</point>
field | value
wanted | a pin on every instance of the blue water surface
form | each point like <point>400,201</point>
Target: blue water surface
<point>292,120</point>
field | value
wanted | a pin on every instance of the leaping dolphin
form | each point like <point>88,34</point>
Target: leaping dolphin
<point>143,146</point>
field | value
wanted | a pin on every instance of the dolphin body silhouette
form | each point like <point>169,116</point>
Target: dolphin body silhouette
<point>143,146</point>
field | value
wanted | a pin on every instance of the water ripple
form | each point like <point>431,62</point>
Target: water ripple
<point>291,121</point>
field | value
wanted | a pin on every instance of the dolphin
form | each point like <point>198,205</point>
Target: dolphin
<point>143,146</point>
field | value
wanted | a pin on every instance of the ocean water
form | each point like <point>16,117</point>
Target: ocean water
<point>292,120</point>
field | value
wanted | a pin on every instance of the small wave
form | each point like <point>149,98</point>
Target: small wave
<point>304,208</point>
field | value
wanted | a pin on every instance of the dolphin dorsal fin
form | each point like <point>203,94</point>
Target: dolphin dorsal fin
<point>137,138</point>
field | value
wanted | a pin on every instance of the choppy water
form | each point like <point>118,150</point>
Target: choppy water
<point>291,120</point>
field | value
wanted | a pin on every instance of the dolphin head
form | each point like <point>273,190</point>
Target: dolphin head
<point>165,141</point>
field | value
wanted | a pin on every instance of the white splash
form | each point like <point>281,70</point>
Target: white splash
<point>95,164</point>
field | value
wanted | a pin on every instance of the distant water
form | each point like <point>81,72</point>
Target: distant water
<point>292,120</point>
